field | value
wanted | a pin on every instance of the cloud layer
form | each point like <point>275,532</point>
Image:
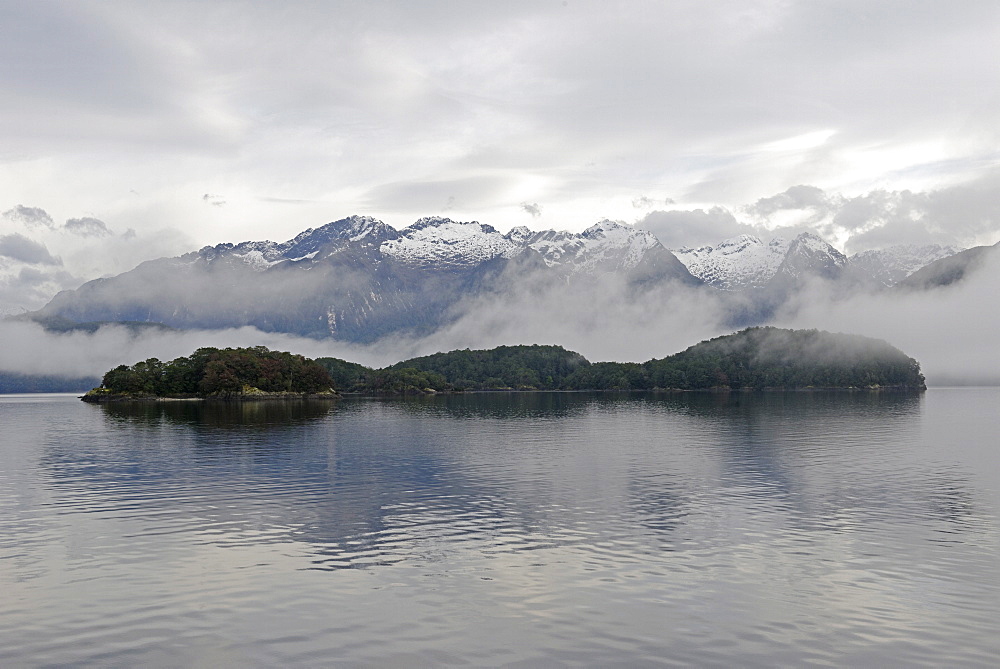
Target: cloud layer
<point>951,330</point>
<point>963,215</point>
<point>295,113</point>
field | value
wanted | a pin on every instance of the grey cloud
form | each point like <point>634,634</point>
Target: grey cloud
<point>29,276</point>
<point>19,247</point>
<point>214,200</point>
<point>87,227</point>
<point>31,217</point>
<point>796,197</point>
<point>89,74</point>
<point>679,229</point>
<point>532,208</point>
<point>965,215</point>
<point>32,286</point>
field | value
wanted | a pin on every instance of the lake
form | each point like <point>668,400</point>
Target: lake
<point>536,529</point>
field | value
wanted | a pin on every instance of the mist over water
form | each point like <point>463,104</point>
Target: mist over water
<point>949,330</point>
<point>487,529</point>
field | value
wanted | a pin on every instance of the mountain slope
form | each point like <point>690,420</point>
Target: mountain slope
<point>889,266</point>
<point>746,263</point>
<point>359,279</point>
<point>949,270</point>
<point>735,264</point>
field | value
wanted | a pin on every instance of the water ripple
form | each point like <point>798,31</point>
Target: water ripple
<point>597,530</point>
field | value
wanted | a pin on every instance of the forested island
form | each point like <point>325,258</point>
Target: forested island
<point>763,358</point>
<point>229,373</point>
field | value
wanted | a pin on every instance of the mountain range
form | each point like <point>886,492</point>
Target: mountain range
<point>358,279</point>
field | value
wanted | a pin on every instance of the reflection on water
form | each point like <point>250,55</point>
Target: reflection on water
<point>495,528</point>
<point>275,413</point>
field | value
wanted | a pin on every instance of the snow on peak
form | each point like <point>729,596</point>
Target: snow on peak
<point>607,246</point>
<point>519,234</point>
<point>258,255</point>
<point>739,243</point>
<point>352,228</point>
<point>606,225</point>
<point>447,243</point>
<point>816,249</point>
<point>743,261</point>
<point>894,263</point>
<point>812,242</point>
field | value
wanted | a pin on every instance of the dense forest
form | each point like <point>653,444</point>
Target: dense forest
<point>755,358</point>
<point>752,359</point>
<point>218,372</point>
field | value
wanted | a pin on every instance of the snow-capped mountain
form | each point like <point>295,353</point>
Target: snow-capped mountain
<point>809,255</point>
<point>745,262</point>
<point>735,264</point>
<point>951,269</point>
<point>891,265</point>
<point>359,279</point>
<point>604,247</point>
<point>306,245</point>
<point>436,242</point>
<point>442,242</point>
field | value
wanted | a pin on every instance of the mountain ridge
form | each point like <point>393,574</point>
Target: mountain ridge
<point>359,279</point>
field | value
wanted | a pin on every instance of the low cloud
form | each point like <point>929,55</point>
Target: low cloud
<point>951,331</point>
<point>87,227</point>
<point>948,330</point>
<point>29,349</point>
<point>19,247</point>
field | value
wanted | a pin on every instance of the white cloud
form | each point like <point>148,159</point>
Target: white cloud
<point>308,112</point>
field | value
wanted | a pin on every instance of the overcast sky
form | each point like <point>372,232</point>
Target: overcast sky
<point>130,130</point>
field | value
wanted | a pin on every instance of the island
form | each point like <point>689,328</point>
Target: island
<point>754,359</point>
<point>255,373</point>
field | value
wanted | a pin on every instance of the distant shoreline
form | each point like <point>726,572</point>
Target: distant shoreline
<point>112,398</point>
<point>270,397</point>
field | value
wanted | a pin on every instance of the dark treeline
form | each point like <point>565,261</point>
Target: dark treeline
<point>756,358</point>
<point>213,371</point>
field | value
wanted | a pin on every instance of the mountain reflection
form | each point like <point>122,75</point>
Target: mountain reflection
<point>362,483</point>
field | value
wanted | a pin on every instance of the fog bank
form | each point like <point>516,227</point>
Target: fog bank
<point>951,331</point>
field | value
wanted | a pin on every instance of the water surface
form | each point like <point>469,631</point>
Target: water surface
<point>539,529</point>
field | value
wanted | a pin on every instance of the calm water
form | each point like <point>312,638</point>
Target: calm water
<point>524,530</point>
